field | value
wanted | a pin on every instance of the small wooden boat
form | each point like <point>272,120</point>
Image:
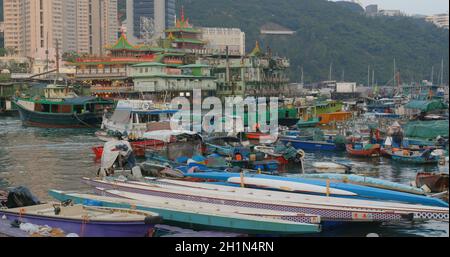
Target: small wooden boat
<point>435,182</point>
<point>371,151</point>
<point>87,221</point>
<point>201,214</point>
<point>283,155</point>
<point>415,157</point>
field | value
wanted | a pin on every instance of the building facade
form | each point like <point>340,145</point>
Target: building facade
<point>161,12</point>
<point>372,10</point>
<point>218,39</point>
<point>166,82</point>
<point>440,20</point>
<point>35,27</point>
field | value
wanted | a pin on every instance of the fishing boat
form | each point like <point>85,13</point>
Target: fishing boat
<point>86,221</point>
<point>330,209</point>
<point>415,157</point>
<point>360,150</point>
<point>310,145</point>
<point>61,108</point>
<point>133,118</point>
<point>204,215</point>
<point>138,146</point>
<point>366,181</point>
<point>362,192</point>
<point>225,146</point>
<point>281,153</point>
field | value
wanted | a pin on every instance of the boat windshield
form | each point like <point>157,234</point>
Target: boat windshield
<point>121,116</point>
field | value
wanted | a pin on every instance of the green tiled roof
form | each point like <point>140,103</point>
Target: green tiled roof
<point>195,66</point>
<point>149,64</point>
<point>188,40</point>
<point>123,44</point>
<point>188,30</point>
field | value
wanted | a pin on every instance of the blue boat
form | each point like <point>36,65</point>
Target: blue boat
<point>311,145</point>
<point>362,192</point>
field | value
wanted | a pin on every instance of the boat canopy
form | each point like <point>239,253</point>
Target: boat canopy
<point>166,135</point>
<point>80,100</point>
<point>426,106</point>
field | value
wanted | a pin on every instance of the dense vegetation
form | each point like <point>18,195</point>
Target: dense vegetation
<point>330,32</point>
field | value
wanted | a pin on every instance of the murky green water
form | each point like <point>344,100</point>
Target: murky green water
<point>44,159</point>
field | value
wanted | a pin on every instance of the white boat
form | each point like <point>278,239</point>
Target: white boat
<point>133,118</point>
<point>287,186</point>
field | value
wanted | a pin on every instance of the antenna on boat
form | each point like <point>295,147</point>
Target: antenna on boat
<point>432,75</point>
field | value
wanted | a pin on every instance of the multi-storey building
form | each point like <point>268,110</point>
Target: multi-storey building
<point>218,39</point>
<point>440,20</point>
<point>256,74</point>
<point>35,27</point>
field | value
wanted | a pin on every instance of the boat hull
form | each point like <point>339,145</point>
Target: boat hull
<point>311,145</point>
<point>54,120</point>
<point>363,192</point>
<point>139,147</point>
<point>373,152</point>
<point>88,229</point>
<point>415,159</point>
<point>199,220</point>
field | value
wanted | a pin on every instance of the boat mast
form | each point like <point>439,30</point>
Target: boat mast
<point>442,71</point>
<point>432,75</point>
<point>368,75</point>
<point>331,68</point>
<point>303,81</point>
<point>395,74</point>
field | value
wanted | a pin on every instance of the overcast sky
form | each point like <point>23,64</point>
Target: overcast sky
<point>411,6</point>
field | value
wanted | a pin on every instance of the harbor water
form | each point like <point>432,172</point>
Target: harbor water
<point>43,159</point>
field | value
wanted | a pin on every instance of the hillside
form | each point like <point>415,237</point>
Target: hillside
<point>332,32</point>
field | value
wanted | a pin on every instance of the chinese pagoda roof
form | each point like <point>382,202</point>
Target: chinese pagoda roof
<point>123,44</point>
<point>256,51</point>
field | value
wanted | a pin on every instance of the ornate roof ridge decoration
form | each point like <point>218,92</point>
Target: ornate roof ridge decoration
<point>256,51</point>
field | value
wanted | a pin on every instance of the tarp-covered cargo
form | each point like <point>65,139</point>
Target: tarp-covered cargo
<point>426,106</point>
<point>427,129</point>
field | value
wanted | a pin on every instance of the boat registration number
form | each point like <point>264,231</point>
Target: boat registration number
<point>362,216</point>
